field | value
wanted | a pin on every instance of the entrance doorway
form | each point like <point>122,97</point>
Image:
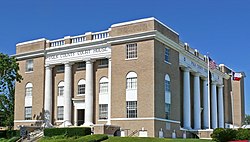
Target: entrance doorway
<point>80,116</point>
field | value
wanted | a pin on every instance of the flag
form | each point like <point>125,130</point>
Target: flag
<point>236,76</point>
<point>212,64</point>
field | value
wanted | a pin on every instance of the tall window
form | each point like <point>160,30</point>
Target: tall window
<point>60,68</point>
<point>28,89</point>
<point>60,113</point>
<point>167,55</point>
<point>131,50</point>
<point>131,80</point>
<point>103,84</point>
<point>103,63</point>
<point>61,88</point>
<point>81,87</point>
<point>103,111</point>
<point>167,97</point>
<point>131,109</point>
<point>28,112</point>
<point>81,65</point>
<point>29,65</point>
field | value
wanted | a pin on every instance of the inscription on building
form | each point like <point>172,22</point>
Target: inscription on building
<point>77,53</point>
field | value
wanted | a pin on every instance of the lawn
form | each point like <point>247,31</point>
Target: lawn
<point>138,139</point>
<point>99,137</point>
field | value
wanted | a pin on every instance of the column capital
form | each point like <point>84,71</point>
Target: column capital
<point>214,82</point>
<point>89,60</point>
<point>68,63</point>
<point>48,66</point>
<point>186,69</point>
<point>204,78</point>
<point>196,74</point>
<point>220,85</point>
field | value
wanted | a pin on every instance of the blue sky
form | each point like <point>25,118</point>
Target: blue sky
<point>221,28</point>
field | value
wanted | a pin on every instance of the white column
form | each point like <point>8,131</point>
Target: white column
<point>89,94</point>
<point>67,95</point>
<point>197,103</point>
<point>75,117</point>
<point>109,89</point>
<point>214,106</point>
<point>186,99</point>
<point>221,106</point>
<point>48,96</point>
<point>206,101</point>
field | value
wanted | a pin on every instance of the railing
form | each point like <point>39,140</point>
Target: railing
<point>58,42</point>
<point>78,39</point>
<point>100,35</point>
<point>133,133</point>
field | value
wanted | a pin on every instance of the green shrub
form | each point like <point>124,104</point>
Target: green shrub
<point>67,132</point>
<point>93,138</point>
<point>243,134</point>
<point>13,133</point>
<point>223,135</point>
<point>3,134</point>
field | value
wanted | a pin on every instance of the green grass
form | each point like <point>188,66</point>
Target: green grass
<point>104,138</point>
<point>138,139</point>
<point>13,139</point>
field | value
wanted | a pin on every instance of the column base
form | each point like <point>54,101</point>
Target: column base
<point>66,124</point>
<point>88,124</point>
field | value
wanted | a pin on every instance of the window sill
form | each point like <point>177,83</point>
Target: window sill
<point>80,95</point>
<point>167,62</point>
<point>103,66</point>
<point>83,68</point>
<point>102,119</point>
<point>29,71</point>
<point>131,59</point>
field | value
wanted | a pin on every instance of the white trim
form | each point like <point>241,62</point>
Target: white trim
<point>146,118</point>
<point>142,20</point>
<point>27,121</point>
<point>31,41</point>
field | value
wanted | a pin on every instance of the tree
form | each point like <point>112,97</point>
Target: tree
<point>247,119</point>
<point>8,75</point>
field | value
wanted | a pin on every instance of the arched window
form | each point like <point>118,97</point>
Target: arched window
<point>167,96</point>
<point>103,85</point>
<point>81,87</point>
<point>131,80</point>
<point>61,88</point>
<point>28,89</point>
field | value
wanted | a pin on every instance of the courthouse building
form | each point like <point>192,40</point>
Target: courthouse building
<point>137,75</point>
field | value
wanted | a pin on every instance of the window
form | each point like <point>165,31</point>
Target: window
<point>60,113</point>
<point>103,111</point>
<point>61,88</point>
<point>131,109</point>
<point>167,97</point>
<point>167,55</point>
<point>81,87</point>
<point>131,80</point>
<point>131,50</point>
<point>60,68</point>
<point>29,65</point>
<point>103,85</point>
<point>81,65</point>
<point>28,111</point>
<point>28,89</point>
<point>103,63</point>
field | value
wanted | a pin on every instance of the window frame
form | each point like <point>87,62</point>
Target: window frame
<point>166,55</point>
<point>131,51</point>
<point>60,113</point>
<point>103,111</point>
<point>81,86</point>
<point>29,65</point>
<point>131,109</point>
<point>28,113</point>
<point>28,89</point>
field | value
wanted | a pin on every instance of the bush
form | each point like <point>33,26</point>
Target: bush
<point>243,134</point>
<point>9,134</point>
<point>93,138</point>
<point>224,135</point>
<point>68,132</point>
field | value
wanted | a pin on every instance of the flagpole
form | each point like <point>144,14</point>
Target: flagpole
<point>208,91</point>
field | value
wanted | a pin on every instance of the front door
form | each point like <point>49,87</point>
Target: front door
<point>80,116</point>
